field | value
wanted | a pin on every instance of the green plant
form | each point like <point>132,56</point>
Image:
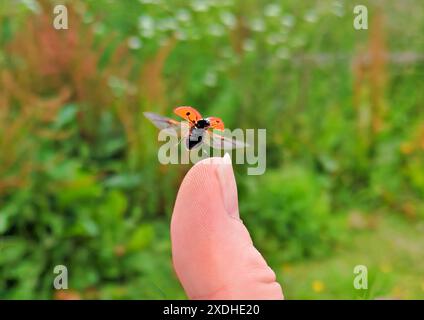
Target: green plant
<point>292,207</point>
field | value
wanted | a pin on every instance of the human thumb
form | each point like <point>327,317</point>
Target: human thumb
<point>212,251</point>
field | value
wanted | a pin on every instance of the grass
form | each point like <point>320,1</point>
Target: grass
<point>392,253</point>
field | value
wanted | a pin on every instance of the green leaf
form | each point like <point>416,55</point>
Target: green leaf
<point>124,181</point>
<point>115,204</point>
<point>67,114</point>
<point>141,238</point>
<point>83,186</point>
<point>12,250</point>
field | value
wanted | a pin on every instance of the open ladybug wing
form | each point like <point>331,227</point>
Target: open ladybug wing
<point>160,122</point>
<point>216,123</point>
<point>218,141</point>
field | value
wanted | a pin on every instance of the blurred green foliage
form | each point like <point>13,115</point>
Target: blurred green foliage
<point>301,219</point>
<point>80,184</point>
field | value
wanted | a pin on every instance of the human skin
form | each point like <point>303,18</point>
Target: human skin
<point>212,251</point>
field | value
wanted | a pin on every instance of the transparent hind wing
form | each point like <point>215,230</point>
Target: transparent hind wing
<point>218,141</point>
<point>172,126</point>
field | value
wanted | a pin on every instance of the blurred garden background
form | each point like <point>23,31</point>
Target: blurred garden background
<point>80,183</point>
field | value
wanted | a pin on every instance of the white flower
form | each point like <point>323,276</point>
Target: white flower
<point>257,25</point>
<point>228,19</point>
<point>216,30</point>
<point>288,20</point>
<point>148,33</point>
<point>183,15</point>
<point>210,79</point>
<point>311,16</point>
<point>338,9</point>
<point>200,5</point>
<point>149,1</point>
<point>272,10</point>
<point>167,24</point>
<point>249,45</point>
<point>146,22</point>
<point>32,5</point>
<point>134,43</point>
<point>273,39</point>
